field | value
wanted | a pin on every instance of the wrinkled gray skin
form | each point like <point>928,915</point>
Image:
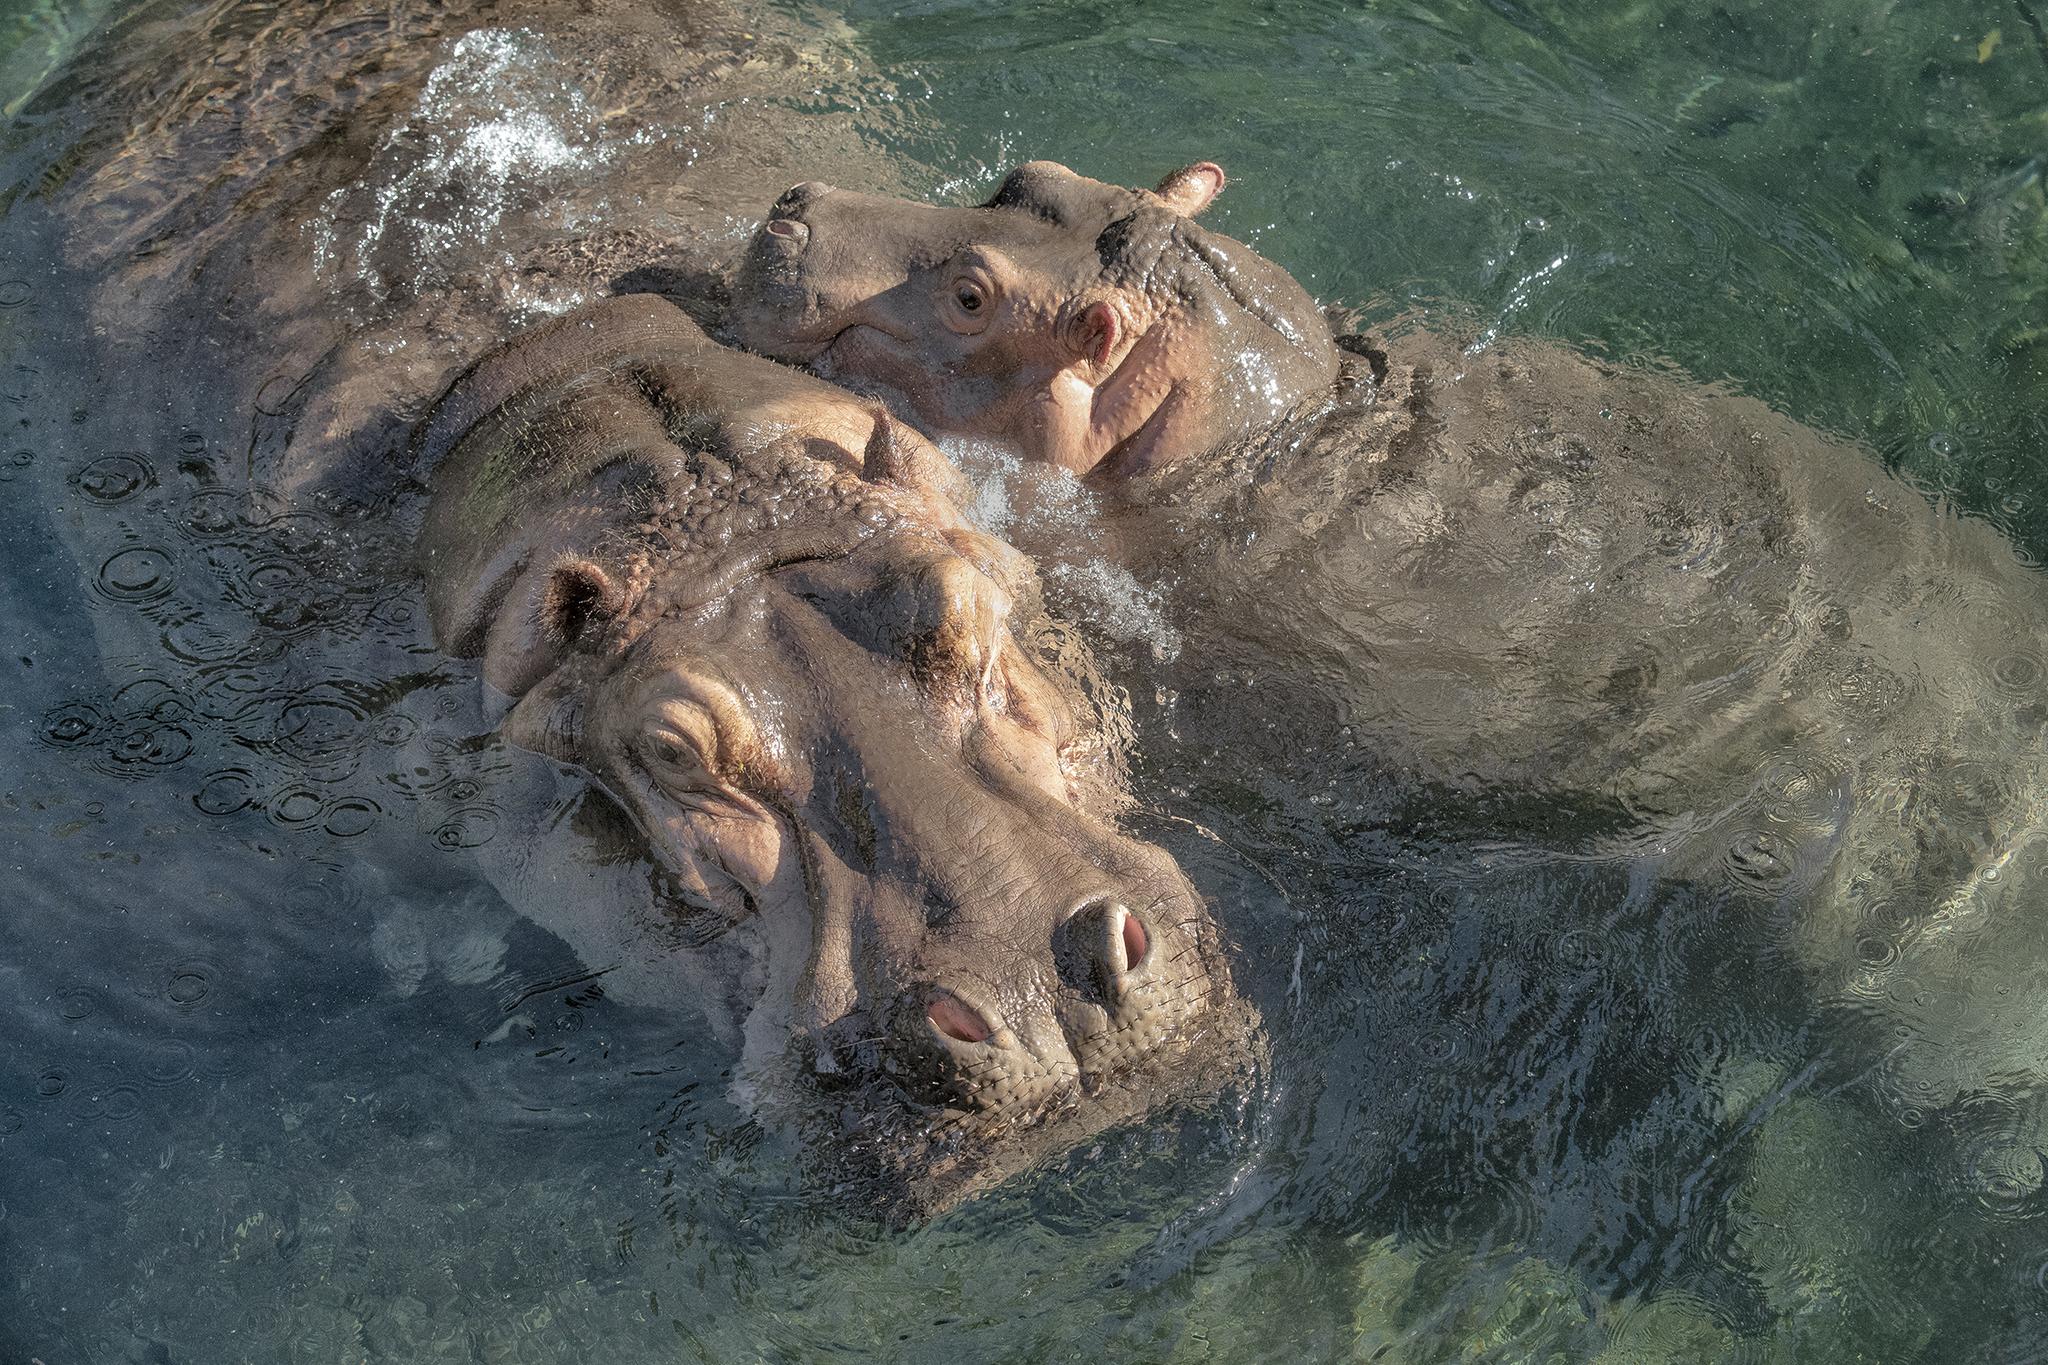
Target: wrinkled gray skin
<point>1552,593</point>
<point>1091,326</point>
<point>742,602</point>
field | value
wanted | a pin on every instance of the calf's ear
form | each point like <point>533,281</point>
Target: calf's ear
<point>1191,189</point>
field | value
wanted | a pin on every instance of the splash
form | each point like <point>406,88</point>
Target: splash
<point>1050,513</point>
<point>496,126</point>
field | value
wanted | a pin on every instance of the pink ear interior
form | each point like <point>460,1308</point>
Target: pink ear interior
<point>1098,332</point>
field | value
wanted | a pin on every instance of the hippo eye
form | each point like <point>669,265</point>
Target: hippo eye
<point>970,298</point>
<point>678,742</point>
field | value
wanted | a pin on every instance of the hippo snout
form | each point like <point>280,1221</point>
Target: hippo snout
<point>791,231</point>
<point>1117,984</point>
<point>786,229</point>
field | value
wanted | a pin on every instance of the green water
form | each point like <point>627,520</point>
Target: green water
<point>1837,206</point>
<point>283,1084</point>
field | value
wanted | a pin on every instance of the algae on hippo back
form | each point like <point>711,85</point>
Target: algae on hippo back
<point>745,604</point>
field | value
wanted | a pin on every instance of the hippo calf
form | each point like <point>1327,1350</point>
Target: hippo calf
<point>742,603</point>
<point>1658,617</point>
<point>1093,327</point>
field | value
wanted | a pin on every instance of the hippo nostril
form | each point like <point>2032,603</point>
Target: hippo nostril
<point>789,230</point>
<point>1097,949</point>
<point>956,1019</point>
<point>796,196</point>
<point>1135,941</point>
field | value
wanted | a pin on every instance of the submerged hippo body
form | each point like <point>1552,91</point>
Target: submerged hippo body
<point>758,625</point>
<point>1545,593</point>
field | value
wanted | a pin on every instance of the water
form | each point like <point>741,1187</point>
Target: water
<point>287,1079</point>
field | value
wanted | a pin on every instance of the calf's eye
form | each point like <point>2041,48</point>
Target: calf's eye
<point>969,298</point>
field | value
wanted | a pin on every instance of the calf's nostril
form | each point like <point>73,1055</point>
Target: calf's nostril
<point>796,196</point>
<point>956,1019</point>
<point>788,229</point>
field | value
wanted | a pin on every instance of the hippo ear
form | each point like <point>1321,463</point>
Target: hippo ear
<point>1094,332</point>
<point>901,458</point>
<point>546,614</point>
<point>1191,189</point>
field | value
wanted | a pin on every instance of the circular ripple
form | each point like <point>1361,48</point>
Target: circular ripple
<point>225,792</point>
<point>284,595</point>
<point>114,478</point>
<point>1863,684</point>
<point>297,806</point>
<point>144,748</point>
<point>320,732</point>
<point>351,816</point>
<point>1759,863</point>
<point>1802,788</point>
<point>120,1104</point>
<point>1441,1043</point>
<point>196,640</point>
<point>14,463</point>
<point>396,611</point>
<point>189,983</point>
<point>14,293</point>
<point>11,1121</point>
<point>467,829</point>
<point>1579,950</point>
<point>69,725</point>
<point>173,1065</point>
<point>394,729</point>
<point>299,535</point>
<point>237,690</point>
<point>210,512</point>
<point>51,1082</point>
<point>79,1002</point>
<point>154,698</point>
<point>138,575</point>
<point>2017,675</point>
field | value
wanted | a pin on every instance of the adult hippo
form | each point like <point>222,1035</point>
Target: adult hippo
<point>743,603</point>
<point>1549,597</point>
<point>889,856</point>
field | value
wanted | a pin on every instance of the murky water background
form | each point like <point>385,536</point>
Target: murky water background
<point>285,1079</point>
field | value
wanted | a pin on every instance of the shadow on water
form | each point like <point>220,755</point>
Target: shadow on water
<point>287,1079</point>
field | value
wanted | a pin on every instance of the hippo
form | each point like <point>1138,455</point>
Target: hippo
<point>1560,599</point>
<point>829,708</point>
<point>1093,327</point>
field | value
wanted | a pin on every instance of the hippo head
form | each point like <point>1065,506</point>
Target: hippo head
<point>1091,326</point>
<point>825,704</point>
